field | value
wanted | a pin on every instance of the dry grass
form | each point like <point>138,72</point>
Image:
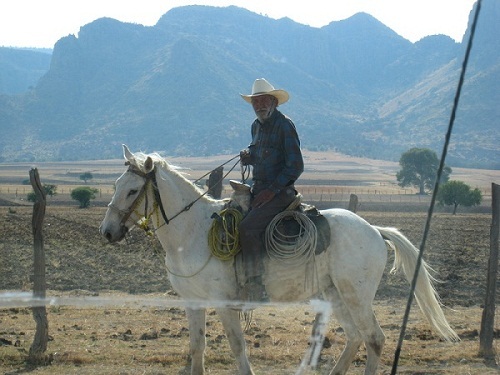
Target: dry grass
<point>145,340</point>
<point>321,168</point>
<point>115,340</point>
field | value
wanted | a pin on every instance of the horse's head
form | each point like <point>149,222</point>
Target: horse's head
<point>130,190</point>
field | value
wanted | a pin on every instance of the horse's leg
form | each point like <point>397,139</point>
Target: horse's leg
<point>374,341</point>
<point>357,261</point>
<point>357,313</point>
<point>197,342</point>
<point>231,321</point>
<point>353,337</point>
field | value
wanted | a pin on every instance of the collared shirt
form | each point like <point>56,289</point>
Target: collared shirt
<point>275,153</point>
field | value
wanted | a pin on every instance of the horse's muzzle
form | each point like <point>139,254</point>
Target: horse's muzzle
<point>112,235</point>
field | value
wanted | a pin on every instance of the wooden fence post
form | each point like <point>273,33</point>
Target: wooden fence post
<point>39,345</point>
<point>353,203</point>
<point>214,182</point>
<point>486,349</point>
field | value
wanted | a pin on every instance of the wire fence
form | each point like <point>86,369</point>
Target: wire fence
<point>314,193</point>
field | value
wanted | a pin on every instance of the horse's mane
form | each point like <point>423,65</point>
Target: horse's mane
<point>158,160</point>
<point>140,159</point>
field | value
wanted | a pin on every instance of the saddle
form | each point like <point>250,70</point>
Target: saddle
<point>287,226</point>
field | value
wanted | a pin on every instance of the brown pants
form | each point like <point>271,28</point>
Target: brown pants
<point>252,229</point>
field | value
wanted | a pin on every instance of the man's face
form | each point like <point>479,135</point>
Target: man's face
<point>263,106</point>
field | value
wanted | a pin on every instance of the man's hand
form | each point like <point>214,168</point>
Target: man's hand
<point>262,198</point>
<point>245,157</point>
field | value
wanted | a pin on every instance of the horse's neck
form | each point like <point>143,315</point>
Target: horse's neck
<point>184,238</point>
<point>177,194</point>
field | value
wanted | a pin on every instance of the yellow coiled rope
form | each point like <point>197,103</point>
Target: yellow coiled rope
<point>223,236</point>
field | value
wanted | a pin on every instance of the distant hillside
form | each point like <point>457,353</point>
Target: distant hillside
<point>20,69</point>
<point>355,86</point>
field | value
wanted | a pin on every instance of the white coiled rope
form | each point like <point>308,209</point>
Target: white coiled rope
<point>294,250</point>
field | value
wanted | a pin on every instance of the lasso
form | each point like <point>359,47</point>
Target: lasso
<point>223,236</point>
<point>293,250</point>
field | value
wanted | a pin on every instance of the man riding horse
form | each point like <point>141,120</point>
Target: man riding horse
<point>277,162</point>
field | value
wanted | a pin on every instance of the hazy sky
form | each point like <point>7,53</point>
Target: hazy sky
<point>41,23</point>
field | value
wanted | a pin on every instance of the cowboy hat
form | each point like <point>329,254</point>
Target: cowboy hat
<point>262,87</point>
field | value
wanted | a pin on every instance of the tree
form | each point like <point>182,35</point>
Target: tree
<point>86,176</point>
<point>419,168</point>
<point>31,196</point>
<point>49,189</point>
<point>83,194</point>
<point>455,193</point>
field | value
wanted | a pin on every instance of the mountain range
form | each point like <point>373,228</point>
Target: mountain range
<point>355,87</point>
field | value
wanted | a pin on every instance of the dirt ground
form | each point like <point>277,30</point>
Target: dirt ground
<point>153,340</point>
<point>150,336</point>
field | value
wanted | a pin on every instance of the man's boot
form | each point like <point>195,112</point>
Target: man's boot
<point>254,290</point>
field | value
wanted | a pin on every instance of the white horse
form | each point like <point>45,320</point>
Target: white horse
<point>347,274</point>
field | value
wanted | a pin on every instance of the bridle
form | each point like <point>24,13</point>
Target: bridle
<point>150,180</point>
<point>143,221</point>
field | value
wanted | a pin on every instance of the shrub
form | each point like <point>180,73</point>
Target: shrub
<point>84,195</point>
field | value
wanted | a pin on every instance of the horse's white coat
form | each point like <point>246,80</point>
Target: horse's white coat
<point>347,274</point>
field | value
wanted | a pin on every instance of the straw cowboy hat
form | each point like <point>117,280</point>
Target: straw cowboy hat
<point>262,87</point>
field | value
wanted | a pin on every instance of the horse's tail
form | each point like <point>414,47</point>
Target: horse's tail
<point>406,256</point>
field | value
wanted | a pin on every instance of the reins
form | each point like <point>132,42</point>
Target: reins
<point>223,164</point>
<point>188,206</point>
<point>151,179</point>
<point>143,221</point>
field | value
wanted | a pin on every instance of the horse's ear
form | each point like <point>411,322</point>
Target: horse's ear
<point>148,165</point>
<point>127,154</point>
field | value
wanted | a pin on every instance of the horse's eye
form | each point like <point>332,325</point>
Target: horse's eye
<point>132,192</point>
